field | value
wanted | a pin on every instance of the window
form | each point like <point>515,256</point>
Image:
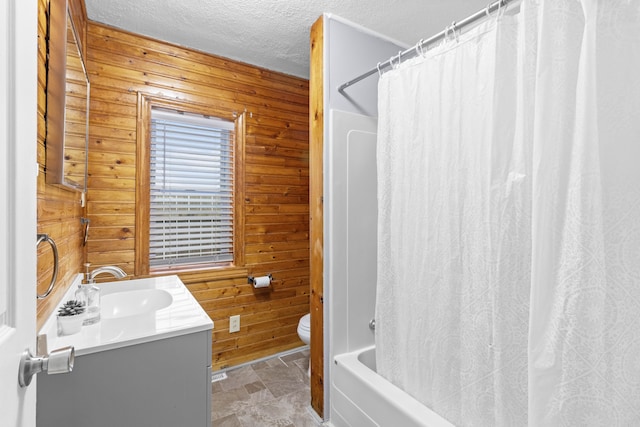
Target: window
<point>189,191</point>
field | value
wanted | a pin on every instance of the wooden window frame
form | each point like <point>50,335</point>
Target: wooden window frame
<point>143,156</point>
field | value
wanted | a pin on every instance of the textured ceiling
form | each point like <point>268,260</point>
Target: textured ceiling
<point>273,34</point>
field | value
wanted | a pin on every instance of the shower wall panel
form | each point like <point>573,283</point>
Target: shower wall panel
<point>353,221</point>
<point>349,203</point>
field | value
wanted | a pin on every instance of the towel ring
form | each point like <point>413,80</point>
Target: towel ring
<point>42,238</point>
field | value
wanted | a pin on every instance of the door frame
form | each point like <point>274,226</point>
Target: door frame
<point>18,119</point>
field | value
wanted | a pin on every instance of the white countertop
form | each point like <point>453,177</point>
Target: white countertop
<point>183,316</point>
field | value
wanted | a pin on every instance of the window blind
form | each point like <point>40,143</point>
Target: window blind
<point>191,194</point>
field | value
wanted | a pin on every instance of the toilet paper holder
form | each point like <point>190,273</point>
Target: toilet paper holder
<point>253,280</point>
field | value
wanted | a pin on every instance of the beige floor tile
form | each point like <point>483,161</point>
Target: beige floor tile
<point>270,393</point>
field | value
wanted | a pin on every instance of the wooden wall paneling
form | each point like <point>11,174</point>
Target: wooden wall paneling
<point>160,52</point>
<point>78,13</point>
<point>59,210</point>
<point>275,171</point>
<point>316,124</point>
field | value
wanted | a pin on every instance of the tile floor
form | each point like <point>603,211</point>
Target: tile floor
<point>274,392</point>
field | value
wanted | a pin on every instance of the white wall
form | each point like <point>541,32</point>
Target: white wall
<point>351,50</point>
<point>350,200</point>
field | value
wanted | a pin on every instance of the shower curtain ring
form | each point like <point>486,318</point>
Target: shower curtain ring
<point>451,28</point>
<point>379,70</point>
<point>419,49</point>
<point>399,59</point>
<point>502,7</point>
<point>487,11</point>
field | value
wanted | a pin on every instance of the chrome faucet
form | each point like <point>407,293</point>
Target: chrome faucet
<point>116,272</point>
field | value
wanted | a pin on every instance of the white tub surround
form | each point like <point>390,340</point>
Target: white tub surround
<point>133,320</point>
<point>146,363</point>
<point>349,182</point>
<point>368,400</point>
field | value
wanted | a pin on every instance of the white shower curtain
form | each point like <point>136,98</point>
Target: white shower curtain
<point>509,219</point>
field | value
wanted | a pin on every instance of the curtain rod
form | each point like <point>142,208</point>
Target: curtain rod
<point>411,52</point>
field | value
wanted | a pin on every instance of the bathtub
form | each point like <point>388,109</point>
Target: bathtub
<point>362,398</point>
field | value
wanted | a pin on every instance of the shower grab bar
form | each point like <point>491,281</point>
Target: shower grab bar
<point>42,238</point>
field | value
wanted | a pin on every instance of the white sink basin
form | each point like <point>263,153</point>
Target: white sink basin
<point>133,303</point>
<point>133,312</point>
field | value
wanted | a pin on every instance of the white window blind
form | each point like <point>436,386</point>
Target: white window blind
<point>191,197</point>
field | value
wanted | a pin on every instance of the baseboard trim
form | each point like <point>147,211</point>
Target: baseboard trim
<point>262,359</point>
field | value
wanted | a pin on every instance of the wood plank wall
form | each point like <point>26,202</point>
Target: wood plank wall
<point>59,210</point>
<point>120,65</point>
<point>316,120</point>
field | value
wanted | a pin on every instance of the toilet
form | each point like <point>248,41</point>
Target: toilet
<point>304,332</point>
<point>304,328</point>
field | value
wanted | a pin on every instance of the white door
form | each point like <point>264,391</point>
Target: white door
<point>18,123</point>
